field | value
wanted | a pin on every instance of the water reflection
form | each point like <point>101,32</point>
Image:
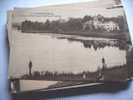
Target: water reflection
<point>97,44</point>
<point>60,53</point>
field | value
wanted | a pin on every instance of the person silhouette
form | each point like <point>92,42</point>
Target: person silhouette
<point>30,68</point>
<point>103,64</point>
<point>103,68</point>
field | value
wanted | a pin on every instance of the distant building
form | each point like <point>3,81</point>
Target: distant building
<point>99,23</point>
<point>107,25</point>
<point>111,26</point>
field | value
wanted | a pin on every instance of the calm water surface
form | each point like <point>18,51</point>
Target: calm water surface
<point>54,53</point>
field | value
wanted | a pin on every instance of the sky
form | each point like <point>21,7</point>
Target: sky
<point>91,8</point>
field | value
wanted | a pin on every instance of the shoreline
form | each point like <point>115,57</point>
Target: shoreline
<point>110,35</point>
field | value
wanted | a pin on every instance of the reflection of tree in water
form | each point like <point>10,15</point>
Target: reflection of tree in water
<point>98,44</point>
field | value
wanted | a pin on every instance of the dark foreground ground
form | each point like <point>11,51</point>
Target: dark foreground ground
<point>112,87</point>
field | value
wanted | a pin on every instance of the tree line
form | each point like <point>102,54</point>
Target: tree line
<point>72,25</point>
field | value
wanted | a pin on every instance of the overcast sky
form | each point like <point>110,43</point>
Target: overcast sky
<point>66,11</point>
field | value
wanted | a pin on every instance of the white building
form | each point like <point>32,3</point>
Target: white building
<point>110,26</point>
<point>96,24</point>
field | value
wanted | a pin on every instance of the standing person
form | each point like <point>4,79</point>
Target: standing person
<point>99,73</point>
<point>30,68</point>
<point>103,64</point>
<point>103,68</point>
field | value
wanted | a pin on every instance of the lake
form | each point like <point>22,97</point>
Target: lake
<point>62,53</point>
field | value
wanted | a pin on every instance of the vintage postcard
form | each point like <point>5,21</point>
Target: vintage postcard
<point>69,44</point>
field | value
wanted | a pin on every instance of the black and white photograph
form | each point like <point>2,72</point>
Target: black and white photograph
<point>68,45</point>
